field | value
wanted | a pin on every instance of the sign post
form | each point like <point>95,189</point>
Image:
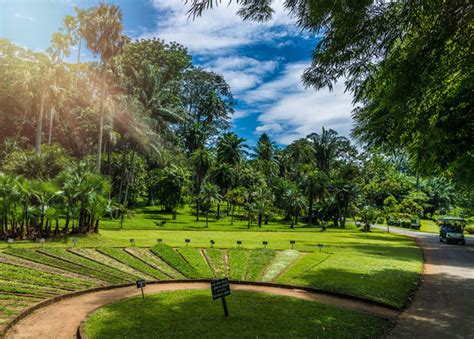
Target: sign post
<point>140,284</point>
<point>239,242</point>
<point>220,289</point>
<point>320,247</point>
<point>132,242</point>
<point>292,242</point>
<point>42,240</point>
<point>187,241</point>
<point>265,243</point>
<point>159,240</point>
<point>74,241</point>
<point>212,243</point>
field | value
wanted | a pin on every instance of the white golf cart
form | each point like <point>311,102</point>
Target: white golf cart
<point>452,230</point>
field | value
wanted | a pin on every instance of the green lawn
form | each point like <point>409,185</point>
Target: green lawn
<point>193,314</point>
<point>152,217</point>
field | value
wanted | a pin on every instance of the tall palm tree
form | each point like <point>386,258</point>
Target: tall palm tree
<point>209,195</point>
<point>103,33</point>
<point>328,146</point>
<point>231,149</point>
<point>202,162</point>
<point>295,202</point>
<point>263,200</point>
<point>314,185</point>
<point>224,176</point>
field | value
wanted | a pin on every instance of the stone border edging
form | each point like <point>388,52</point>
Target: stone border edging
<point>59,298</point>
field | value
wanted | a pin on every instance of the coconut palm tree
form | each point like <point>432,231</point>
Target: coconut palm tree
<point>209,195</point>
<point>103,33</point>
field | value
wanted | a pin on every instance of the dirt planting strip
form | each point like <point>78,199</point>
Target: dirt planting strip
<point>61,316</point>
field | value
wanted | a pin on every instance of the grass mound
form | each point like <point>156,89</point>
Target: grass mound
<point>193,314</point>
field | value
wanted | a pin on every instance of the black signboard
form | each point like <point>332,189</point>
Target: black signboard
<point>220,288</point>
<point>320,247</point>
<point>140,284</point>
<point>265,243</point>
<point>212,242</point>
<point>239,242</point>
<point>187,241</point>
<point>159,240</point>
<point>292,242</point>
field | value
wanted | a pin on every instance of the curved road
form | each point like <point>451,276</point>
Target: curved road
<point>61,320</point>
<point>443,307</point>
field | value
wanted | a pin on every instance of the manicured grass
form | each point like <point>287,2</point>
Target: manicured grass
<point>216,260</point>
<point>122,256</point>
<point>193,314</point>
<point>145,254</point>
<point>238,258</point>
<point>387,275</point>
<point>172,258</point>
<point>361,264</point>
<point>259,259</point>
<point>283,259</point>
<point>196,259</point>
<point>118,276</point>
<point>26,275</point>
<point>429,226</point>
<point>95,255</point>
<point>152,217</point>
<point>65,265</point>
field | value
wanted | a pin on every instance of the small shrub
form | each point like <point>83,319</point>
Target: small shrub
<point>469,229</point>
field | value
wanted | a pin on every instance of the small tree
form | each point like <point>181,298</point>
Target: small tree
<point>369,216</point>
<point>209,195</point>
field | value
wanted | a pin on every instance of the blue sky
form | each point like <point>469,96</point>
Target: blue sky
<point>263,63</point>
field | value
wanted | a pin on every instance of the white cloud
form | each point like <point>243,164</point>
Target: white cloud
<point>217,29</point>
<point>273,128</point>
<point>299,111</point>
<point>242,73</point>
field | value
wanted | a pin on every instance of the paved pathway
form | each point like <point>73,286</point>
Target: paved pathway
<point>443,307</point>
<point>61,319</point>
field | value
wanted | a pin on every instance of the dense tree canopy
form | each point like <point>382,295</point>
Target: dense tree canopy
<point>83,141</point>
<point>409,64</point>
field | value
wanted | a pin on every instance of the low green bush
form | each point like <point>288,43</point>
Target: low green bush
<point>172,258</point>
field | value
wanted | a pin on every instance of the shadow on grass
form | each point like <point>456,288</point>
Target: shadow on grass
<point>193,314</point>
<point>389,286</point>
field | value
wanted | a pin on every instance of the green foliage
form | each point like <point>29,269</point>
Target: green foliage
<point>172,258</point>
<point>238,261</point>
<point>216,260</point>
<point>27,275</point>
<point>258,261</point>
<point>122,256</point>
<point>63,264</point>
<point>196,259</point>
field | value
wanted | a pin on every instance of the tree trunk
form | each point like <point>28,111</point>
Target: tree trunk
<point>218,210</point>
<point>101,119</point>
<point>207,218</point>
<point>50,129</point>
<point>310,208</point>
<point>260,220</point>
<point>39,125</point>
